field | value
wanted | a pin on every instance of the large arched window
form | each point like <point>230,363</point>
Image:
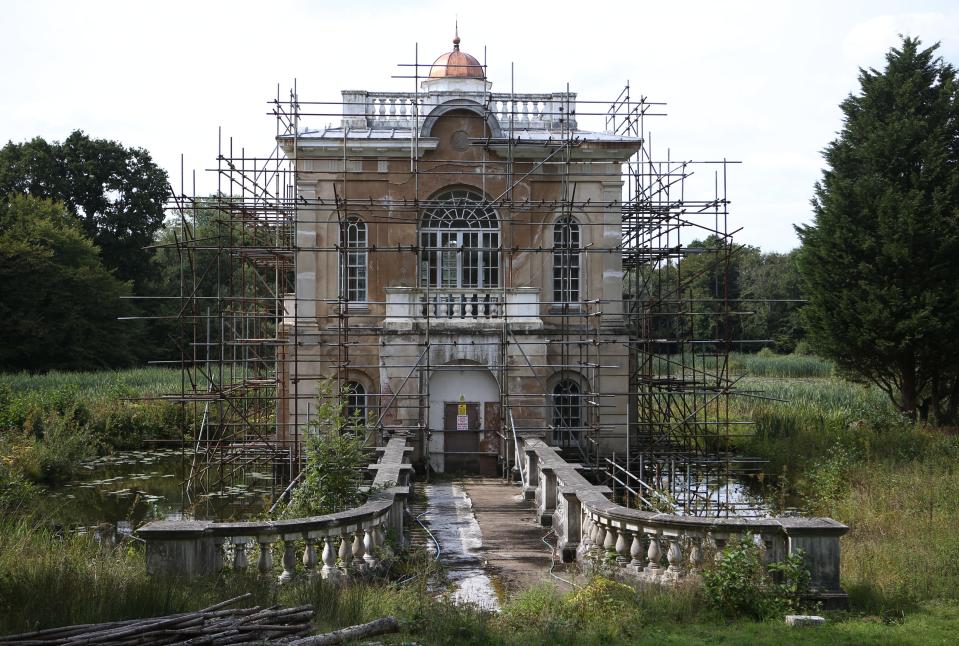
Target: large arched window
<point>355,409</point>
<point>567,412</point>
<point>353,260</point>
<point>566,245</point>
<point>460,241</point>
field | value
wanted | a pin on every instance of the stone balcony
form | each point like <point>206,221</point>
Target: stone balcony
<point>408,309</point>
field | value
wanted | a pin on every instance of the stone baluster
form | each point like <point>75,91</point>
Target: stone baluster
<point>368,545</point>
<point>622,547</point>
<point>636,552</point>
<point>345,552</point>
<point>393,106</point>
<point>586,535</point>
<point>309,554</point>
<point>674,555</point>
<point>329,570</point>
<point>609,542</point>
<point>695,554</point>
<point>599,539</point>
<point>654,554</point>
<point>240,562</point>
<point>358,549</point>
<point>588,529</point>
<point>265,562</point>
<point>379,541</point>
<point>766,546</point>
<point>289,558</point>
<point>720,541</point>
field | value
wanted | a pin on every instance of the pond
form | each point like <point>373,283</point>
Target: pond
<point>128,488</point>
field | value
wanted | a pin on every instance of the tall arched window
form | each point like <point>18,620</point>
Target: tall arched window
<point>355,409</point>
<point>353,260</point>
<point>566,260</point>
<point>567,412</point>
<point>460,241</point>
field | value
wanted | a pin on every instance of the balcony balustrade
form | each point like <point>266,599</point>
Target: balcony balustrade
<point>409,309</point>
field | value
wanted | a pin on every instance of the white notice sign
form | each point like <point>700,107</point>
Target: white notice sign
<point>462,422</point>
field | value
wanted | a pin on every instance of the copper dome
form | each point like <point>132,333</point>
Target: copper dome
<point>457,64</point>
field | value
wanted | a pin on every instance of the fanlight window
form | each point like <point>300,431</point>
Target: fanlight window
<point>460,242</point>
<point>353,260</point>
<point>355,409</point>
<point>567,412</point>
<point>566,245</point>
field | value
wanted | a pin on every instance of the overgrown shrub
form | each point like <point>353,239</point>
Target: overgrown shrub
<point>335,456</point>
<point>601,597</point>
<point>738,585</point>
<point>826,481</point>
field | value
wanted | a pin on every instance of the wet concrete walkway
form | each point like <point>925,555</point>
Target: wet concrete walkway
<point>490,541</point>
<point>512,538</point>
<point>452,524</point>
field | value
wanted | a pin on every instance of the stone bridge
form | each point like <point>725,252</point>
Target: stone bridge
<point>589,527</point>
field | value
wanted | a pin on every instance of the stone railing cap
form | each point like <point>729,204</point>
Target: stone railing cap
<point>594,499</point>
<point>376,505</point>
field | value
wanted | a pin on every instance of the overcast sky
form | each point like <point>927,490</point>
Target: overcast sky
<point>758,82</point>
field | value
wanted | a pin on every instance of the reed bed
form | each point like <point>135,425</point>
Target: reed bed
<point>51,422</point>
<point>145,382</point>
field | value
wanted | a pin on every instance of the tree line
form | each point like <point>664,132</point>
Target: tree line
<point>873,286</point>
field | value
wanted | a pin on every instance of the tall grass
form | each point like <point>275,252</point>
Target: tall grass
<point>849,454</point>
<point>902,547</point>
<point>796,421</point>
<point>51,422</point>
<point>767,364</point>
<point>97,384</point>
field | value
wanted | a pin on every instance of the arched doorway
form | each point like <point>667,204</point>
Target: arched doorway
<point>464,418</point>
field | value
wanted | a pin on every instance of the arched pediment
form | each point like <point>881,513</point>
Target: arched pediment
<point>458,105</point>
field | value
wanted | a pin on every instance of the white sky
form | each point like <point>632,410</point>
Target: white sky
<point>758,82</point>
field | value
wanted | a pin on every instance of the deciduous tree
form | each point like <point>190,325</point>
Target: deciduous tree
<point>116,193</point>
<point>60,305</point>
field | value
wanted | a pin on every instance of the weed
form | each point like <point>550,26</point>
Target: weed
<point>738,585</point>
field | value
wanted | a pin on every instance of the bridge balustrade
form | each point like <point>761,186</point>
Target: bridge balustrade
<point>666,548</point>
<point>332,545</point>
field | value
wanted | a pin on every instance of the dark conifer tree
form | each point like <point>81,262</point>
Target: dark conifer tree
<point>880,262</point>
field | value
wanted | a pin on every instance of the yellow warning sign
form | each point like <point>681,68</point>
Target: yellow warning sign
<point>461,409</point>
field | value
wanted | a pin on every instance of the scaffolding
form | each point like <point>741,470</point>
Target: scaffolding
<point>650,360</point>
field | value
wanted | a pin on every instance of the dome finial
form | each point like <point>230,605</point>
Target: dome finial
<point>456,36</point>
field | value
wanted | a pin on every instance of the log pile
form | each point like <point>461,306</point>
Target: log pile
<point>213,626</point>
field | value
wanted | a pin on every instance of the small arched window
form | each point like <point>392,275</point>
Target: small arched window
<point>355,409</point>
<point>567,412</point>
<point>460,241</point>
<point>353,244</point>
<point>566,247</point>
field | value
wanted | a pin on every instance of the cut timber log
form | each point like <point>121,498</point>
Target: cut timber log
<point>214,625</point>
<point>377,627</point>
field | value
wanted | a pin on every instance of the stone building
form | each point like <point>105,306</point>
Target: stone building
<point>458,269</point>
